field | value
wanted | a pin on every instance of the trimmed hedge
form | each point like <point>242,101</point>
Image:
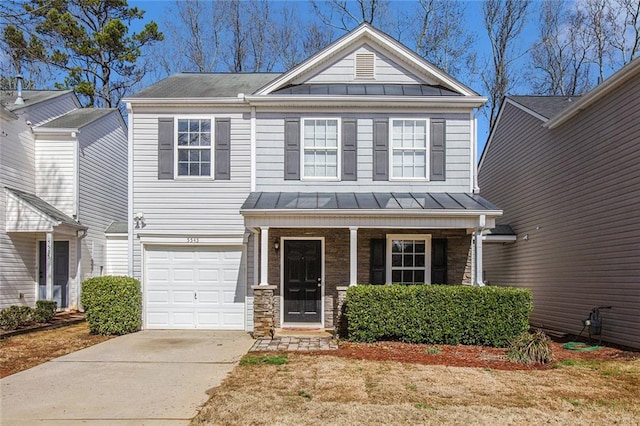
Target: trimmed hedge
<point>113,304</point>
<point>45,310</point>
<point>15,316</point>
<point>490,316</point>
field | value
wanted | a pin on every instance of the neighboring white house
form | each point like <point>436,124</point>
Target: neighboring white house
<point>63,177</point>
<point>356,166</point>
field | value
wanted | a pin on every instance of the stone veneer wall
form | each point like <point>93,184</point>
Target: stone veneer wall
<point>336,261</point>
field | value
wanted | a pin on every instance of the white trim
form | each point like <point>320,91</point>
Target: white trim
<point>253,148</point>
<point>76,175</point>
<point>499,238</point>
<point>473,125</point>
<point>176,148</point>
<point>493,131</point>
<point>369,212</point>
<point>283,241</point>
<point>338,150</point>
<point>353,256</point>
<point>368,101</point>
<point>603,89</point>
<point>477,237</point>
<point>264,255</point>
<point>191,239</point>
<point>427,254</point>
<point>427,152</point>
<point>130,151</point>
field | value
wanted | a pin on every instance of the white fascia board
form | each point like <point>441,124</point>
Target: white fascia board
<point>376,101</point>
<point>606,87</point>
<point>387,43</point>
<point>54,131</point>
<point>185,101</point>
<point>370,212</point>
<point>191,239</point>
<point>499,238</point>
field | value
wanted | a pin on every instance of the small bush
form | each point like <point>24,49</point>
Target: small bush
<point>15,316</point>
<point>45,310</point>
<point>530,348</point>
<point>113,305</point>
<point>451,315</point>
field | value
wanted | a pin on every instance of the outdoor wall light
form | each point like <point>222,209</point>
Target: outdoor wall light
<point>276,246</point>
<point>139,219</point>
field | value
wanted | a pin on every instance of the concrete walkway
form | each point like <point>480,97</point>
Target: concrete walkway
<point>149,377</point>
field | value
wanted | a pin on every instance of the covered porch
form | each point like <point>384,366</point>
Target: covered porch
<point>310,247</point>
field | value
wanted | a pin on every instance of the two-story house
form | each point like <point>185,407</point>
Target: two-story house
<point>63,177</point>
<point>566,171</point>
<point>259,198</point>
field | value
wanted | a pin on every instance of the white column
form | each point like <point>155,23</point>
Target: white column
<point>49,272</point>
<point>478,272</point>
<point>353,256</point>
<point>264,255</point>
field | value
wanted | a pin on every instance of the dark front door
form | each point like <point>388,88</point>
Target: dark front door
<point>302,280</point>
<point>60,272</point>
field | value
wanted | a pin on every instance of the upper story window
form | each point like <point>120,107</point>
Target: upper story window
<point>409,149</point>
<point>194,147</point>
<point>320,140</point>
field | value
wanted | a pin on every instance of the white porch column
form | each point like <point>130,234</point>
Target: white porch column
<point>264,255</point>
<point>353,256</point>
<point>478,249</point>
<point>49,269</point>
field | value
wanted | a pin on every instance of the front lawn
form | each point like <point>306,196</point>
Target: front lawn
<point>339,390</point>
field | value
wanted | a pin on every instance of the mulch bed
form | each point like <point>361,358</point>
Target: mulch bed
<point>466,356</point>
<point>60,319</point>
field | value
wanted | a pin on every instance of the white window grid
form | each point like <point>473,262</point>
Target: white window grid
<point>404,260</point>
<point>320,153</point>
<point>194,147</point>
<point>408,153</point>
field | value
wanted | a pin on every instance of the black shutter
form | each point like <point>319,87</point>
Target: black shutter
<point>381,149</point>
<point>378,261</point>
<point>438,146</point>
<point>223,149</point>
<point>439,261</point>
<point>292,149</point>
<point>349,149</point>
<point>165,148</point>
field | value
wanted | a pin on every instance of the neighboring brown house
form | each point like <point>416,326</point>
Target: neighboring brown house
<point>566,172</point>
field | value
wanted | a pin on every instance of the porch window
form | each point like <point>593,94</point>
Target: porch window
<point>409,149</point>
<point>320,148</point>
<point>194,147</point>
<point>408,259</point>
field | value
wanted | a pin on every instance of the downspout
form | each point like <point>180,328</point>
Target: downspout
<point>130,189</point>
<point>76,178</point>
<point>474,149</point>
<point>79,239</point>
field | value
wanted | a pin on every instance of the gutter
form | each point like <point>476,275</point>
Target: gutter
<point>379,212</point>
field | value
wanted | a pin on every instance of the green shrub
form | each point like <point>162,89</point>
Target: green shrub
<point>113,305</point>
<point>529,348</point>
<point>45,310</point>
<point>452,315</point>
<point>15,316</point>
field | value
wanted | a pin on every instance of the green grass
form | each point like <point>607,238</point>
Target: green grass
<point>264,360</point>
<point>433,350</point>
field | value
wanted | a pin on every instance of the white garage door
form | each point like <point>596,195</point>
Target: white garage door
<point>194,287</point>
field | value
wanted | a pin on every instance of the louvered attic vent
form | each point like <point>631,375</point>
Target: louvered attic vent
<point>365,68</point>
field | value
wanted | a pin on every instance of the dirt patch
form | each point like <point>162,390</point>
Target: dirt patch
<point>336,390</point>
<point>21,352</point>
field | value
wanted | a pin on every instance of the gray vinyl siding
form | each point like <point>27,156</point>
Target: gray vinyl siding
<point>103,186</point>
<point>574,191</point>
<point>189,206</point>
<point>270,156</point>
<point>343,71</point>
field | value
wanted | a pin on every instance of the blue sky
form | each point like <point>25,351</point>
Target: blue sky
<point>156,11</point>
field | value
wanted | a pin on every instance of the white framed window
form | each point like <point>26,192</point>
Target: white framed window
<point>320,148</point>
<point>194,153</point>
<point>408,259</point>
<point>409,140</point>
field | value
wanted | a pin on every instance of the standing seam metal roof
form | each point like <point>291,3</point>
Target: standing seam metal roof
<point>365,201</point>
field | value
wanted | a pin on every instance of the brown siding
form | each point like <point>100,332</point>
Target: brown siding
<point>575,192</point>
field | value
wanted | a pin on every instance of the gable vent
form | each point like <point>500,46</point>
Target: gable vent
<point>365,65</point>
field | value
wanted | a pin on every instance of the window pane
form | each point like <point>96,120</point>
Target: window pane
<point>205,169</point>
<point>194,139</point>
<point>396,277</point>
<point>183,169</point>
<point>183,125</point>
<point>419,260</point>
<point>194,126</point>
<point>408,260</point>
<point>205,139</point>
<point>205,155</point>
<point>396,260</point>
<point>183,138</point>
<point>194,155</point>
<point>419,247</point>
<point>407,277</point>
<point>396,246</point>
<point>205,126</point>
<point>194,169</point>
<point>183,155</point>
<point>419,276</point>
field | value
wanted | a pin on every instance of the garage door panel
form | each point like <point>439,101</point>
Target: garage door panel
<point>175,275</point>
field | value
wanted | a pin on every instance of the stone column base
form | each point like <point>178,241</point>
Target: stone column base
<point>263,312</point>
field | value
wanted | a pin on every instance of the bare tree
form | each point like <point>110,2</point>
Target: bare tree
<point>627,33</point>
<point>441,37</point>
<point>600,21</point>
<point>286,39</point>
<point>559,59</point>
<point>316,38</point>
<point>344,15</point>
<point>503,21</point>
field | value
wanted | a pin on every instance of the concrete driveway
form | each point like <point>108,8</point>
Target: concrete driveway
<point>149,377</point>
